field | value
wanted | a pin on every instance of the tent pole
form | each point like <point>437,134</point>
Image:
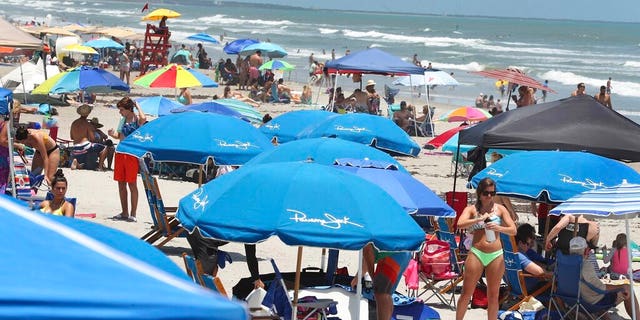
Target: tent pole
<point>24,89</point>
<point>415,123</point>
<point>333,97</point>
<point>433,128</point>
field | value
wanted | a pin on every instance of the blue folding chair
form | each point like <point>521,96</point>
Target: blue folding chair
<point>567,278</point>
<point>277,298</point>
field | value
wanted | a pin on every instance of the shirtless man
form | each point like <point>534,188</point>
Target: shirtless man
<point>255,60</point>
<point>372,98</point>
<point>403,117</point>
<point>580,90</point>
<point>603,97</point>
<point>83,134</point>
<point>359,100</point>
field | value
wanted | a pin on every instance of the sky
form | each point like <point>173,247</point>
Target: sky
<point>598,10</point>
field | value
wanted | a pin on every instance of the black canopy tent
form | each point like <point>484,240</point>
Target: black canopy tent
<point>578,123</point>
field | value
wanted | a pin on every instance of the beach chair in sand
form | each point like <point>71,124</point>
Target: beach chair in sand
<point>516,278</point>
<point>213,283</point>
<point>165,226</point>
<point>193,268</point>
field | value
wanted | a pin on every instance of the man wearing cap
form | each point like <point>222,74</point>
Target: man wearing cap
<point>83,135</point>
<point>373,99</point>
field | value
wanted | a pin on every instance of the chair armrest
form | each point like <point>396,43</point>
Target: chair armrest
<point>171,209</point>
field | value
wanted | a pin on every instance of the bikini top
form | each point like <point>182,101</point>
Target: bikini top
<point>57,212</point>
<point>480,225</point>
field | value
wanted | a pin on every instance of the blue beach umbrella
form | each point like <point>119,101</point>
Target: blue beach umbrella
<point>323,151</point>
<point>373,130</point>
<point>268,49</point>
<point>235,46</point>
<point>411,194</point>
<point>211,107</point>
<point>203,37</point>
<point>299,202</point>
<point>61,268</point>
<point>245,109</point>
<point>194,137</point>
<point>157,106</point>
<point>90,79</point>
<point>103,43</point>
<point>287,126</point>
<point>554,176</point>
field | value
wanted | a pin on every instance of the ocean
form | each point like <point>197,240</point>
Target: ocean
<point>560,51</point>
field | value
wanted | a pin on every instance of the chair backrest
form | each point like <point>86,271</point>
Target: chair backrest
<point>192,267</point>
<point>567,275</point>
<point>458,201</point>
<point>277,298</point>
<point>444,234</point>
<point>154,199</point>
<point>49,196</point>
<point>513,269</point>
<point>213,283</point>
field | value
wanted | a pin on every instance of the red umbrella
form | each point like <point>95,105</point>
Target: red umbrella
<point>513,76</point>
<point>438,141</point>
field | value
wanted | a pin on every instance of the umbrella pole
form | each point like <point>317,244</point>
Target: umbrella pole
<point>433,127</point>
<point>630,270</point>
<point>415,123</point>
<point>296,286</point>
<point>359,285</point>
<point>24,89</point>
<point>322,259</point>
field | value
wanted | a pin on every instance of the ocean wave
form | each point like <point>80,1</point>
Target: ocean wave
<point>426,29</point>
<point>428,41</point>
<point>632,64</point>
<point>221,19</point>
<point>327,30</point>
<point>471,66</point>
<point>623,88</point>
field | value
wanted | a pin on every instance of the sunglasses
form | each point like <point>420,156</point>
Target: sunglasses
<point>488,193</point>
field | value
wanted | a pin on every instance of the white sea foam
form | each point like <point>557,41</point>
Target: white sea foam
<point>471,66</point>
<point>327,30</point>
<point>623,88</point>
<point>426,29</point>
<point>223,20</point>
<point>632,64</point>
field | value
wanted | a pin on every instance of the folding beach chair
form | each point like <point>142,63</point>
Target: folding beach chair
<point>515,277</point>
<point>214,284</point>
<point>193,268</point>
<point>164,225</point>
<point>567,277</point>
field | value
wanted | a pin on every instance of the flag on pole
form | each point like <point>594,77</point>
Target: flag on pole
<point>146,7</point>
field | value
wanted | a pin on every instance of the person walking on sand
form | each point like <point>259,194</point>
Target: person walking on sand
<point>603,97</point>
<point>125,66</point>
<point>484,220</point>
<point>126,166</point>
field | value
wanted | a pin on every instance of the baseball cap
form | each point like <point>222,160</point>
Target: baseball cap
<point>577,245</point>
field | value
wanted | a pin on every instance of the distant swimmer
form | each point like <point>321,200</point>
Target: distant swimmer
<point>609,87</point>
<point>580,90</point>
<point>603,97</point>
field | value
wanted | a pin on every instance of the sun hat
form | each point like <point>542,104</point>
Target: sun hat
<point>577,245</point>
<point>370,83</point>
<point>84,110</point>
<point>96,123</point>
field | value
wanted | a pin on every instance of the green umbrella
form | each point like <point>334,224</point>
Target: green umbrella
<point>277,65</point>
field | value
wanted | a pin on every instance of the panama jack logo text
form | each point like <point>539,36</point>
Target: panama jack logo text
<point>327,221</point>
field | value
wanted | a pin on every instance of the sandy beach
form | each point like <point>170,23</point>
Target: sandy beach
<point>97,192</point>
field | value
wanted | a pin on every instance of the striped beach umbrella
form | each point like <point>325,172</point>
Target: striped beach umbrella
<point>465,114</point>
<point>175,76</point>
<point>277,65</point>
<point>90,79</point>
<point>618,202</point>
<point>249,112</point>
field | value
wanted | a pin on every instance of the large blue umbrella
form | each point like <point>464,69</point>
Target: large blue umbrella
<point>158,105</point>
<point>103,43</point>
<point>90,79</point>
<point>203,37</point>
<point>235,46</point>
<point>618,202</point>
<point>323,151</point>
<point>376,131</point>
<point>287,126</point>
<point>211,107</point>
<point>554,176</point>
<point>303,204</point>
<point>410,193</point>
<point>60,268</point>
<point>268,49</point>
<point>194,137</point>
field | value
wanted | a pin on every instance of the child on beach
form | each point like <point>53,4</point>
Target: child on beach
<point>618,256</point>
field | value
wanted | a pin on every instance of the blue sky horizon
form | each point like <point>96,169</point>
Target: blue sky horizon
<point>589,10</point>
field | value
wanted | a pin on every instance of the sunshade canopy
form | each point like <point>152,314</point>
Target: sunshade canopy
<point>572,124</point>
<point>373,61</point>
<point>13,37</point>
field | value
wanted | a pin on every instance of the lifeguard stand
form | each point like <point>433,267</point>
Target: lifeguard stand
<point>155,49</point>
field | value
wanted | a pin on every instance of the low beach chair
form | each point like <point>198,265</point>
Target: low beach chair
<point>213,283</point>
<point>566,288</point>
<point>164,225</point>
<point>193,268</point>
<point>515,277</point>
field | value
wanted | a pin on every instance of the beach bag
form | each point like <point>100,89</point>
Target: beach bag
<point>479,298</point>
<point>435,258</point>
<point>411,279</point>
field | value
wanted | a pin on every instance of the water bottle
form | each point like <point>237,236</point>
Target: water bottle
<point>490,234</point>
<point>368,282</point>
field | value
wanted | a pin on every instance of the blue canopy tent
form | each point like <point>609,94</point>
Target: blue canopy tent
<point>61,268</point>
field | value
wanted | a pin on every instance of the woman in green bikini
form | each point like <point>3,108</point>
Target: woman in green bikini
<point>485,217</point>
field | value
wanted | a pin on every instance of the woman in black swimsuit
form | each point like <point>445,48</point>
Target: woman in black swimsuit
<point>47,155</point>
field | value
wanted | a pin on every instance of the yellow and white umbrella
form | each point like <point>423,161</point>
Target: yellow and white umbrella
<point>157,14</point>
<point>78,48</point>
